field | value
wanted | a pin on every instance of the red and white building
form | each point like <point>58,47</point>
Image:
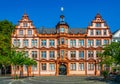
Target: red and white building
<point>62,50</point>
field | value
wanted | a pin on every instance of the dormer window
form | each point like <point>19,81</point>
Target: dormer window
<point>62,30</point>
<point>25,24</point>
<point>98,24</point>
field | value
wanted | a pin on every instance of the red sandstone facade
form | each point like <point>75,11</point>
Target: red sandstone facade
<point>62,50</point>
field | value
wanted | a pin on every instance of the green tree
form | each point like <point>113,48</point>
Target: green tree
<point>6,29</point>
<point>110,54</point>
<point>29,62</point>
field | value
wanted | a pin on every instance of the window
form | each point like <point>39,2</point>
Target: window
<point>81,54</point>
<point>43,43</point>
<point>29,32</point>
<point>52,66</point>
<point>62,40</point>
<point>90,53</point>
<point>73,66</point>
<point>98,42</point>
<point>34,42</point>
<point>52,43</point>
<point>58,41</point>
<point>16,42</point>
<point>91,32</point>
<point>104,32</point>
<point>90,66</point>
<point>62,30</point>
<point>43,54</point>
<point>26,53</point>
<point>34,67</point>
<point>52,54</point>
<point>72,42</point>
<point>25,24</point>
<point>81,66</point>
<point>21,32</point>
<point>106,42</point>
<point>44,67</point>
<point>25,67</point>
<point>98,32</point>
<point>62,52</point>
<point>81,43</point>
<point>73,54</point>
<point>25,42</point>
<point>98,24</point>
<point>97,53</point>
<point>90,42</point>
<point>34,54</point>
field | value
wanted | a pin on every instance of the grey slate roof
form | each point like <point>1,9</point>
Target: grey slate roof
<point>53,30</point>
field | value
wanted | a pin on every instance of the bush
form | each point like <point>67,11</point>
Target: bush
<point>105,73</point>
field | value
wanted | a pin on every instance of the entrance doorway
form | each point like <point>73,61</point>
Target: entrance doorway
<point>62,69</point>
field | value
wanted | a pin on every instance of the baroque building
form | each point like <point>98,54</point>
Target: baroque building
<point>62,50</point>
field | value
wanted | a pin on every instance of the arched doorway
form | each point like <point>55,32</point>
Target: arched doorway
<point>62,69</point>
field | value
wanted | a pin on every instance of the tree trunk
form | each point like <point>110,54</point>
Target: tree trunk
<point>0,71</point>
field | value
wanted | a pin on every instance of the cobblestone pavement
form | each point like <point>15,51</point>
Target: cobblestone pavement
<point>56,80</point>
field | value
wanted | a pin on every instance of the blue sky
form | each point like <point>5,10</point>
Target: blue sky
<point>78,13</point>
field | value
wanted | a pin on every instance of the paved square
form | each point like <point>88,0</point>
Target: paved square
<point>56,80</point>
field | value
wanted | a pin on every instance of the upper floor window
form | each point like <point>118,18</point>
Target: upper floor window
<point>73,54</point>
<point>98,42</point>
<point>81,66</point>
<point>72,42</point>
<point>98,24</point>
<point>52,43</point>
<point>97,53</point>
<point>25,24</point>
<point>52,54</point>
<point>52,66</point>
<point>16,42</point>
<point>62,53</point>
<point>90,42</point>
<point>26,53</point>
<point>43,54</point>
<point>62,30</point>
<point>81,43</point>
<point>34,54</point>
<point>91,32</point>
<point>25,42</point>
<point>43,43</point>
<point>34,42</point>
<point>90,53</point>
<point>62,40</point>
<point>81,54</point>
<point>58,41</point>
<point>29,32</point>
<point>43,66</point>
<point>20,32</point>
<point>104,32</point>
<point>106,42</point>
<point>73,66</point>
<point>98,32</point>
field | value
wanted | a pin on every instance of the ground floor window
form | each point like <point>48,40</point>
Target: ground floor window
<point>81,66</point>
<point>73,66</point>
<point>25,67</point>
<point>43,66</point>
<point>34,67</point>
<point>52,66</point>
<point>90,66</point>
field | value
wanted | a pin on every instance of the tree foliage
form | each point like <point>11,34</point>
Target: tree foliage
<point>111,54</point>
